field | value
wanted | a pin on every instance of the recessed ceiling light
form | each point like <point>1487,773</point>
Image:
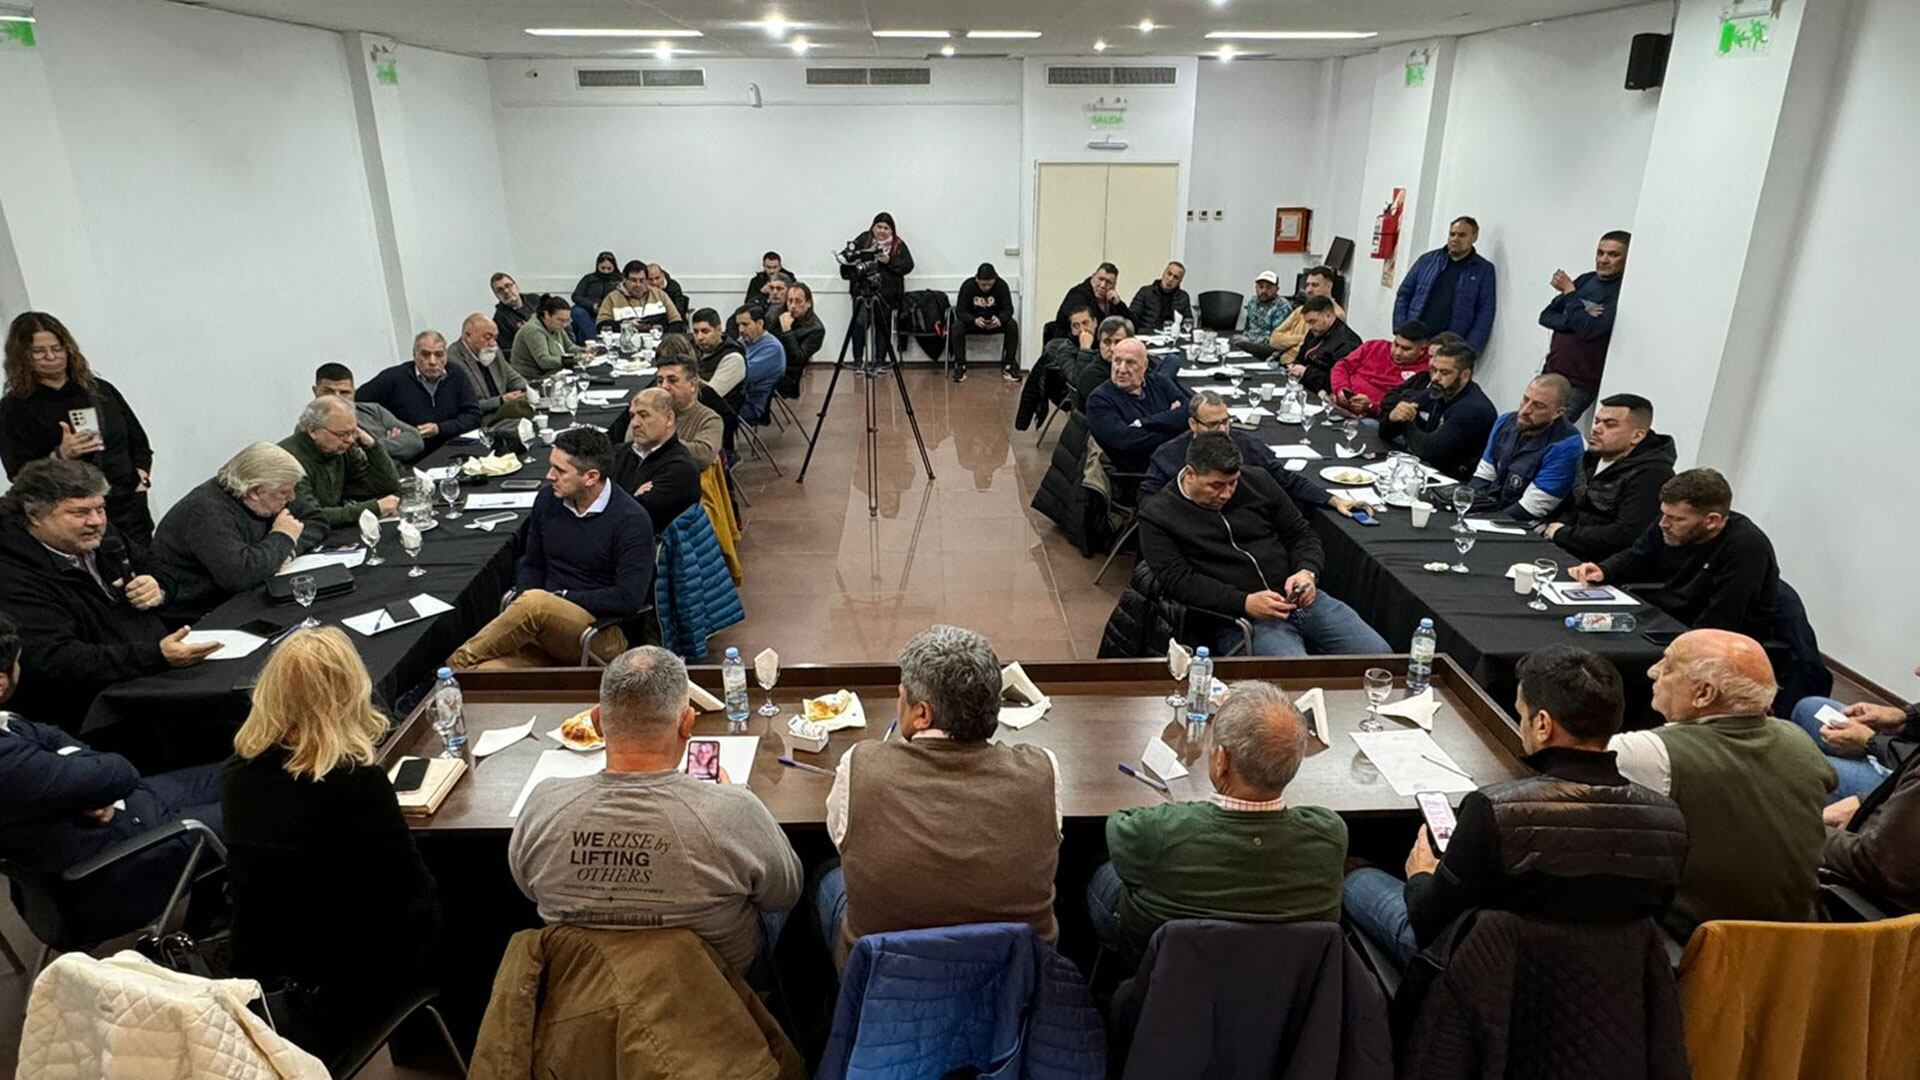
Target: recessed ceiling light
<point>946,50</point>
<point>800,45</point>
<point>1225,53</point>
<point>605,31</point>
<point>911,34</point>
<point>1289,35</point>
<point>1100,45</point>
<point>774,25</point>
<point>1011,35</point>
<point>663,51</point>
<point>1146,26</point>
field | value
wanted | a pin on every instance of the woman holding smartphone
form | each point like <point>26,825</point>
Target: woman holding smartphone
<point>328,890</point>
<point>55,406</point>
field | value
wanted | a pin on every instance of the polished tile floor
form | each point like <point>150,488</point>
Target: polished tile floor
<point>825,582</point>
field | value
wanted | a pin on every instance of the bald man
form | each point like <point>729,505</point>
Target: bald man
<point>1135,410</point>
<point>1751,786</point>
<point>654,467</point>
<point>477,355</point>
<point>1243,854</point>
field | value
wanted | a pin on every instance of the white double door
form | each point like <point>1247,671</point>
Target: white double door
<point>1089,214</point>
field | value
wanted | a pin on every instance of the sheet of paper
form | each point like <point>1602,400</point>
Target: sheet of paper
<point>1419,708</point>
<point>307,564</point>
<point>1248,414</point>
<point>1294,450</point>
<point>378,621</point>
<point>1364,495</point>
<point>1296,465</point>
<point>1230,391</point>
<point>1019,716</point>
<point>503,500</point>
<point>234,644</point>
<point>1556,594</point>
<point>558,765</point>
<point>1481,525</point>
<point>439,473</point>
<point>1403,758</point>
<point>604,398</point>
<point>1313,706</point>
<point>1830,716</point>
<point>736,756</point>
<point>1160,760</point>
<point>498,739</point>
<point>1242,354</point>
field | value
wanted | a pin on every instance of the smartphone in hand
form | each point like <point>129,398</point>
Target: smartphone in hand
<point>1438,814</point>
<point>703,760</point>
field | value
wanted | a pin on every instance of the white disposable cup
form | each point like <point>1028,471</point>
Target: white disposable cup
<point>1421,513</point>
<point>1523,579</point>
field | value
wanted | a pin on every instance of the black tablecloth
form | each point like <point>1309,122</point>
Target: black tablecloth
<point>1480,621</point>
<point>188,715</point>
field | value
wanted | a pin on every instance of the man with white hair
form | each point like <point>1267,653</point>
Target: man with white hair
<point>501,391</point>
<point>941,803</point>
<point>347,471</point>
<point>1750,786</point>
<point>1243,855</point>
<point>233,532</point>
<point>645,845</point>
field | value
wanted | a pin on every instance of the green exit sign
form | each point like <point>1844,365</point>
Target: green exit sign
<point>1745,37</point>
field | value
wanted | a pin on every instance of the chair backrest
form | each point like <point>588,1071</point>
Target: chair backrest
<point>1798,667</point>
<point>36,896</point>
<point>1219,309</point>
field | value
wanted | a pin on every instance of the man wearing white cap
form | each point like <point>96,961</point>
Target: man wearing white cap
<point>1267,310</point>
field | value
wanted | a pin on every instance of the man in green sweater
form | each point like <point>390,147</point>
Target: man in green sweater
<point>1751,786</point>
<point>347,471</point>
<point>1245,855</point>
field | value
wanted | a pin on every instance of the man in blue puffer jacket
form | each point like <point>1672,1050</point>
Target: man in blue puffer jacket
<point>1451,288</point>
<point>62,803</point>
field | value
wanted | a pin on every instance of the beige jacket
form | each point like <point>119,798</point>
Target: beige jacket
<point>1289,334</point>
<point>618,299</point>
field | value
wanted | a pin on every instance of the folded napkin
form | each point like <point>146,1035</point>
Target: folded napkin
<point>1017,684</point>
<point>702,700</point>
<point>1419,708</point>
<point>492,465</point>
<point>767,666</point>
<point>1313,706</point>
<point>369,528</point>
<point>1178,659</point>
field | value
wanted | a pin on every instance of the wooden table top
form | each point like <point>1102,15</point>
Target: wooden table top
<point>1104,712</point>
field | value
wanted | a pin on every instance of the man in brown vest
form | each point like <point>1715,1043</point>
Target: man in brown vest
<point>937,826</point>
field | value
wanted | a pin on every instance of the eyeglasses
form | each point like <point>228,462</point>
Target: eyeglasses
<point>347,434</point>
<point>1221,424</point>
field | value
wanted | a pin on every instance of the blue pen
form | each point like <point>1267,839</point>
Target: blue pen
<point>890,730</point>
<point>792,764</point>
<point>1145,779</point>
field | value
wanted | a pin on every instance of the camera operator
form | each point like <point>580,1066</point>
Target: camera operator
<point>881,247</point>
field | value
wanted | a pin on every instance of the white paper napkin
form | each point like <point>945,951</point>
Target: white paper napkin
<point>369,528</point>
<point>1419,708</point>
<point>766,666</point>
<point>702,700</point>
<point>1014,680</point>
<point>1178,659</point>
<point>1313,706</point>
<point>409,532</point>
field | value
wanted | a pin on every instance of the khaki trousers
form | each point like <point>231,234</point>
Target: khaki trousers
<point>538,629</point>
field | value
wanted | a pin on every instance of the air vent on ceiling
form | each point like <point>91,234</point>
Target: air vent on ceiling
<point>1090,75</point>
<point>657,78</point>
<point>880,76</point>
<point>899,76</point>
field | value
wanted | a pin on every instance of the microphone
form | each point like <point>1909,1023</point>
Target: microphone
<point>113,560</point>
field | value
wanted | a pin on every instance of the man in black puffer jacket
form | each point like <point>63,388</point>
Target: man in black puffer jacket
<point>1616,494</point>
<point>1527,845</point>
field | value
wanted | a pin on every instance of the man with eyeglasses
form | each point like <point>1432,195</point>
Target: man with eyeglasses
<point>1207,413</point>
<point>511,311</point>
<point>347,471</point>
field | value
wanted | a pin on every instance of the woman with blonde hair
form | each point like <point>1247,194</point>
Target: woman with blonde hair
<point>328,889</point>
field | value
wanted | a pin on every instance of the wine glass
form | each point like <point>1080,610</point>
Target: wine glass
<point>1462,543</point>
<point>410,540</point>
<point>304,590</point>
<point>1350,432</point>
<point>1462,502</point>
<point>1543,574</point>
<point>1177,699</point>
<point>767,681</point>
<point>1378,682</point>
<point>1308,417</point>
<point>450,494</point>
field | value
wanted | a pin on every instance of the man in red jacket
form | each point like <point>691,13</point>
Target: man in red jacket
<point>1361,380</point>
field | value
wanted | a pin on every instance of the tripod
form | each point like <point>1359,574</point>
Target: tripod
<point>880,353</point>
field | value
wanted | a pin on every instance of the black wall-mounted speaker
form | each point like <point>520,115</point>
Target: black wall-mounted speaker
<point>1647,62</point>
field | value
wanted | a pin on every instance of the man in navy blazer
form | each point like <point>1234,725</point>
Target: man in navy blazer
<point>62,802</point>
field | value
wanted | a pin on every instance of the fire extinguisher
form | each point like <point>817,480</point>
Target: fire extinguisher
<point>1386,231</point>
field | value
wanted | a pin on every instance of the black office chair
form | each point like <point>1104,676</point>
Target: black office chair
<point>348,1051</point>
<point>1843,903</point>
<point>1220,310</point>
<point>1128,508</point>
<point>43,899</point>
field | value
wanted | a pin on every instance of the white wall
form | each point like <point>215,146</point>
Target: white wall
<point>1546,150</point>
<point>702,183</point>
<point>1403,132</point>
<point>1348,120</point>
<point>219,179</point>
<point>1827,403</point>
<point>1256,127</point>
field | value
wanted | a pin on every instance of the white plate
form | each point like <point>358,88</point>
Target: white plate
<point>1350,475</point>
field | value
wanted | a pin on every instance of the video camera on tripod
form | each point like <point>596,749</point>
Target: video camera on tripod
<point>862,266</point>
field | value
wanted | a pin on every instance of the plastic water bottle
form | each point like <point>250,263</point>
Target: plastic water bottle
<point>1603,622</point>
<point>449,713</point>
<point>733,675</point>
<point>1420,658</point>
<point>1199,686</point>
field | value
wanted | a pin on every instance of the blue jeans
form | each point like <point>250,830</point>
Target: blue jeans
<point>1376,903</point>
<point>1857,775</point>
<point>1326,627</point>
<point>760,972</point>
<point>584,327</point>
<point>831,901</point>
<point>1104,893</point>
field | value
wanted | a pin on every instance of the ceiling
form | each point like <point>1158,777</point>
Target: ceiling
<point>842,28</point>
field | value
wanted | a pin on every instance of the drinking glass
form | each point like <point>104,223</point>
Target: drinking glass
<point>769,709</point>
<point>1177,699</point>
<point>1543,573</point>
<point>1462,502</point>
<point>304,591</point>
<point>1350,433</point>
<point>1379,685</point>
<point>1308,418</point>
<point>373,554</point>
<point>450,494</point>
<point>410,541</point>
<point>1462,543</point>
